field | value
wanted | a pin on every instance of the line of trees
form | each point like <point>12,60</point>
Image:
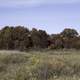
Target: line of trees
<point>21,38</point>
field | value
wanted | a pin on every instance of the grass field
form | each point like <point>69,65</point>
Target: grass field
<point>40,65</point>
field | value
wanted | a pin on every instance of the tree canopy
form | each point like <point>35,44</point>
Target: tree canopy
<point>69,33</point>
<point>21,38</point>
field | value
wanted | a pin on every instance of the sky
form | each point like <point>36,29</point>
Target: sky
<point>50,15</point>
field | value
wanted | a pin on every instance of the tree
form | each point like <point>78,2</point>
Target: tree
<point>56,41</point>
<point>18,32</point>
<point>18,37</point>
<point>6,41</point>
<point>35,35</point>
<point>26,43</point>
<point>39,38</point>
<point>70,33</point>
<point>43,38</point>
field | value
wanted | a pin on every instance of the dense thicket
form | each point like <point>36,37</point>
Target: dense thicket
<point>21,38</point>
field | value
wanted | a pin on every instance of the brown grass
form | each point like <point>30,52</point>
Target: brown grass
<point>40,65</point>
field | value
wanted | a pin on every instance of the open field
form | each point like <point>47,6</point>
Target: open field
<point>40,65</point>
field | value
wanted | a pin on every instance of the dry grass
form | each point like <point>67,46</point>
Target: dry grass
<point>36,65</point>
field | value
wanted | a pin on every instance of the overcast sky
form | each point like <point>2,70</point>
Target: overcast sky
<point>50,15</point>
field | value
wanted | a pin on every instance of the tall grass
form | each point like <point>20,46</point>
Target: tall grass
<point>36,65</point>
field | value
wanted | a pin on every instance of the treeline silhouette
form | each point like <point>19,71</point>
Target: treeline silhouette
<point>21,38</point>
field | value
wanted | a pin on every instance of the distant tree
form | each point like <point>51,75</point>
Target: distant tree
<point>69,33</point>
<point>39,38</point>
<point>18,32</point>
<point>6,41</point>
<point>35,35</point>
<point>27,42</point>
<point>75,42</point>
<point>18,36</point>
<point>57,41</point>
<point>43,38</point>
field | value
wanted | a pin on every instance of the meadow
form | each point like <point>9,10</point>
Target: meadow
<point>40,65</point>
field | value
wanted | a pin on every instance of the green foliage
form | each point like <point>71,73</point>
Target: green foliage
<point>69,33</point>
<point>39,38</point>
<point>21,38</point>
<point>6,41</point>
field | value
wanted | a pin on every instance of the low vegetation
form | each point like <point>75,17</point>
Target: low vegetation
<point>40,65</point>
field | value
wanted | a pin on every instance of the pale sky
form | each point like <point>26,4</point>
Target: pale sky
<point>50,15</point>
